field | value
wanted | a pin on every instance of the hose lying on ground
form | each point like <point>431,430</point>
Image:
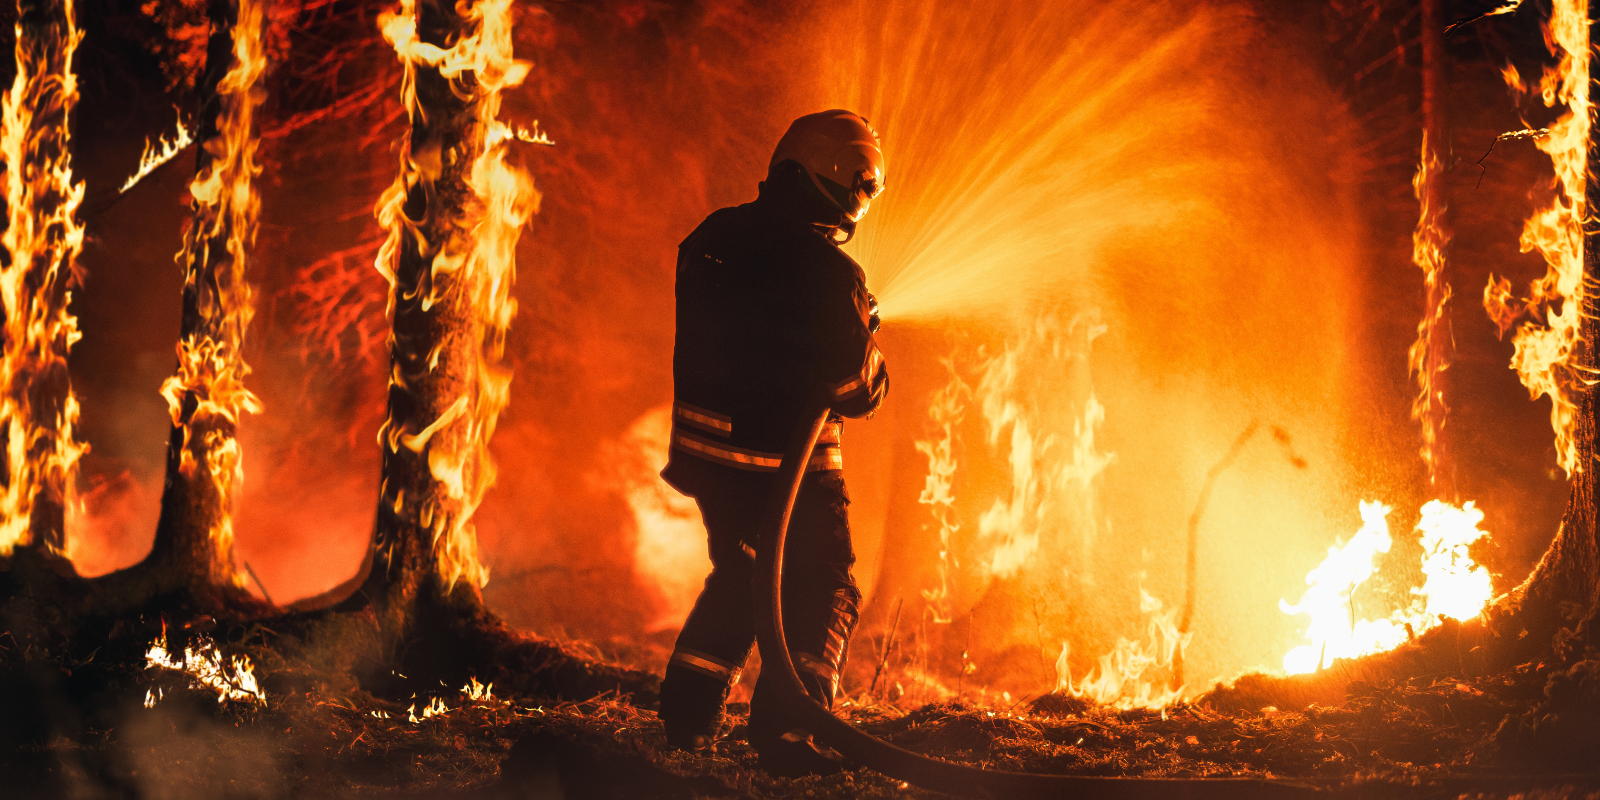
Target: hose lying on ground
<point>923,771</point>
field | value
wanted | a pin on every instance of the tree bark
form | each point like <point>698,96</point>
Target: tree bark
<point>41,242</point>
<point>423,545</point>
<point>194,538</point>
<point>1559,598</point>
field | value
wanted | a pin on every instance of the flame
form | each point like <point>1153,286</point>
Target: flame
<point>157,152</point>
<point>434,708</point>
<point>945,409</point>
<point>471,273</point>
<point>225,207</point>
<point>1429,355</point>
<point>43,239</point>
<point>670,553</point>
<point>478,692</point>
<point>1043,485</point>
<point>234,680</point>
<point>1126,677</point>
<point>1545,356</point>
<point>1455,587</point>
<point>1015,522</point>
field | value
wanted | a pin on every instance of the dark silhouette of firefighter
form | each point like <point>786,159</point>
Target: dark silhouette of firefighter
<point>772,314</point>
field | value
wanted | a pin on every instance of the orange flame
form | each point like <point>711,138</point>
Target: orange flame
<point>43,239</point>
<point>473,271</point>
<point>1125,677</point>
<point>670,553</point>
<point>157,152</point>
<point>233,680</point>
<point>1043,484</point>
<point>211,368</point>
<point>1453,586</point>
<point>1545,354</point>
<point>945,409</point>
<point>1429,355</point>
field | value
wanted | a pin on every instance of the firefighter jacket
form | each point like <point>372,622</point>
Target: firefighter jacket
<point>770,313</point>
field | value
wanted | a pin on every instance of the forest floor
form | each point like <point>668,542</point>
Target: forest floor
<point>145,731</point>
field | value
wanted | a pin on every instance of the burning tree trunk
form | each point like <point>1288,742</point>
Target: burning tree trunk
<point>41,242</point>
<point>1430,354</point>
<point>1558,359</point>
<point>1555,613</point>
<point>1555,609</point>
<point>207,396</point>
<point>454,215</point>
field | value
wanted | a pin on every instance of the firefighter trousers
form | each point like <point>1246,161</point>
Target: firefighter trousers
<point>820,602</point>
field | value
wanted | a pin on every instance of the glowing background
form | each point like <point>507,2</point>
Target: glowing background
<point>1210,182</point>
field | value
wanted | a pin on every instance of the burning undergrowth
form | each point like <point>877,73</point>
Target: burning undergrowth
<point>293,708</point>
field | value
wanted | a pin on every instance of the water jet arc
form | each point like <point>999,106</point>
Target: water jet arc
<point>895,762</point>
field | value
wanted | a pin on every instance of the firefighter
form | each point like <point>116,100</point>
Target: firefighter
<point>770,315</point>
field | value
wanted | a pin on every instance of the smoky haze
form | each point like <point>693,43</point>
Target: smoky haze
<point>1193,216</point>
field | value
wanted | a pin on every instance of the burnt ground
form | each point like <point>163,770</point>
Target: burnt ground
<point>75,724</point>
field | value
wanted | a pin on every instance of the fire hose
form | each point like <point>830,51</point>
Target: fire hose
<point>915,768</point>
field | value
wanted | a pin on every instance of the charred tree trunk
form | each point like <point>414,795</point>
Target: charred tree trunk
<point>436,340</point>
<point>1553,617</point>
<point>454,216</point>
<point>193,547</point>
<point>41,242</point>
<point>1556,607</point>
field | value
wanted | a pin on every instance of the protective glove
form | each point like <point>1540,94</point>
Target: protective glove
<point>873,322</point>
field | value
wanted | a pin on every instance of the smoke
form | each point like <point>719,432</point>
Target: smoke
<point>1184,169</point>
<point>670,551</point>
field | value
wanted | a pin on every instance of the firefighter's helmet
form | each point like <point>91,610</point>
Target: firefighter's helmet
<point>839,150</point>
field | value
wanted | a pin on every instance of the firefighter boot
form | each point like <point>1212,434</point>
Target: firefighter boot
<point>818,651</point>
<point>691,702</point>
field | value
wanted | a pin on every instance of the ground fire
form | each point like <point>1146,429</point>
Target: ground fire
<point>1202,471</point>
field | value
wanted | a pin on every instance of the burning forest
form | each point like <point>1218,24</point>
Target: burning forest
<point>1240,443</point>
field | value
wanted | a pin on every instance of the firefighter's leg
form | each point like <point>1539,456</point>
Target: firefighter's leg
<point>717,636</point>
<point>820,602</point>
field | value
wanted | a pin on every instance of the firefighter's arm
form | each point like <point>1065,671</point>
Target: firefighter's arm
<point>856,377</point>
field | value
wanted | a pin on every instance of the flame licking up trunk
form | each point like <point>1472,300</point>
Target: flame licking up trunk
<point>1547,358</point>
<point>1548,345</point>
<point>454,215</point>
<point>42,240</point>
<point>1430,353</point>
<point>206,396</point>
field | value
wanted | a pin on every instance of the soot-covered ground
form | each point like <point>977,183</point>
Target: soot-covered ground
<point>105,724</point>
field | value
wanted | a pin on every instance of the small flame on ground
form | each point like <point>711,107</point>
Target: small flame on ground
<point>1455,587</point>
<point>233,680</point>
<point>1130,676</point>
<point>478,692</point>
<point>157,152</point>
<point>434,708</point>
